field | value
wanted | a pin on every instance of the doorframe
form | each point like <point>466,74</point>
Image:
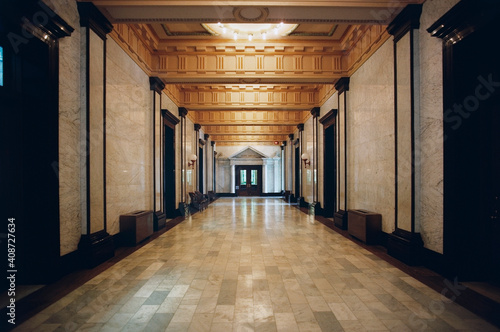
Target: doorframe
<point>297,171</point>
<point>259,177</point>
<point>464,19</point>
<point>40,237</point>
<point>169,198</point>
<point>329,121</point>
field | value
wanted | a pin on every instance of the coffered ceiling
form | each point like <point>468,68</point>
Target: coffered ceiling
<point>243,90</point>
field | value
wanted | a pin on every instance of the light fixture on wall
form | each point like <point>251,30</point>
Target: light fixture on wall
<point>193,160</point>
<point>305,159</point>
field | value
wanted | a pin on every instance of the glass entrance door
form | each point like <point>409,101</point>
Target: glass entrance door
<point>248,180</point>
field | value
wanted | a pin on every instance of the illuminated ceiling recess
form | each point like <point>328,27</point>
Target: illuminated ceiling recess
<point>251,24</point>
<point>250,31</point>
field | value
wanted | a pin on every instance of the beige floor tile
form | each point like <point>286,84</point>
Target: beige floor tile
<point>253,264</point>
<point>286,322</point>
<point>224,314</point>
<point>309,327</point>
<point>184,314</point>
<point>342,311</point>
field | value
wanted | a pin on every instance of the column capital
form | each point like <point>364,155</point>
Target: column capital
<point>91,17</point>
<point>300,127</point>
<point>408,19</point>
<point>156,84</point>
<point>183,112</point>
<point>197,127</point>
<point>342,84</point>
<point>315,112</point>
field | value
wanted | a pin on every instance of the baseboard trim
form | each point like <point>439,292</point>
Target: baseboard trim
<point>434,261</point>
<point>70,262</point>
<point>272,195</point>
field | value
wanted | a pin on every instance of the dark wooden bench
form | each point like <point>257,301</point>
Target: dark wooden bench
<point>198,200</point>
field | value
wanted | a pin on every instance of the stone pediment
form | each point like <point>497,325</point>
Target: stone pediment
<point>248,153</point>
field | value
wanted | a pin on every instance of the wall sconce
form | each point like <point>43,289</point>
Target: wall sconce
<point>193,160</point>
<point>305,159</point>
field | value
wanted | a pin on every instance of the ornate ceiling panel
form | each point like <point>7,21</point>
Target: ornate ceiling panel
<point>249,130</point>
<point>251,117</point>
<point>249,138</point>
<point>250,89</point>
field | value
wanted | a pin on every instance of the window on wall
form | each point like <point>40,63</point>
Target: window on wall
<point>243,177</point>
<point>1,66</point>
<point>253,176</point>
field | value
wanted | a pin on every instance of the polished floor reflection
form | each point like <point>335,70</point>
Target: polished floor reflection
<point>253,264</point>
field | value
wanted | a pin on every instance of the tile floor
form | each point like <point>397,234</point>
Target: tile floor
<point>253,264</point>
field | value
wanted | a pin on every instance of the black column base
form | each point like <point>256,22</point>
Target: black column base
<point>405,246</point>
<point>159,219</point>
<point>318,210</point>
<point>340,219</point>
<point>302,202</point>
<point>96,248</point>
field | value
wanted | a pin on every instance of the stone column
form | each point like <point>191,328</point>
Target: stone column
<point>405,242</point>
<point>96,244</point>
<point>157,86</point>
<point>340,216</point>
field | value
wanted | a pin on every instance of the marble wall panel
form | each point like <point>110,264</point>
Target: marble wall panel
<point>307,173</point>
<point>129,147</point>
<point>191,175</point>
<point>289,166</point>
<point>278,180</point>
<point>209,165</point>
<point>431,126</point>
<point>341,167</point>
<point>404,134</point>
<point>370,137</point>
<point>158,148</point>
<point>224,175</point>
<point>70,147</point>
<point>96,133</point>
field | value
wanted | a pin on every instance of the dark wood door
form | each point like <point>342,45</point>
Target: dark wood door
<point>248,180</point>
<point>201,172</point>
<point>29,154</point>
<point>472,159</point>
<point>330,172</point>
<point>297,173</point>
<point>169,171</point>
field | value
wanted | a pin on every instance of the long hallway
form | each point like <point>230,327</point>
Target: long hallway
<point>253,264</point>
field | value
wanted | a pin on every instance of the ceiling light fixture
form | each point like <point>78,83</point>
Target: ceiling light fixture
<point>250,31</point>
